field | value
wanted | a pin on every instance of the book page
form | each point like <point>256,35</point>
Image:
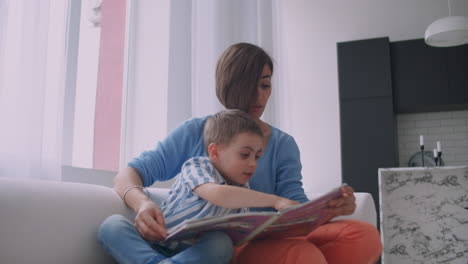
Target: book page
<point>292,221</point>
<point>237,226</point>
<point>301,219</point>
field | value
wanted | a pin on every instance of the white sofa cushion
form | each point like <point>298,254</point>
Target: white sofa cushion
<point>54,222</point>
<point>57,222</point>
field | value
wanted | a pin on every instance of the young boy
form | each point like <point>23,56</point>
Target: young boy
<point>207,186</point>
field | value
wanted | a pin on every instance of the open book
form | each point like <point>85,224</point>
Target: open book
<point>292,221</point>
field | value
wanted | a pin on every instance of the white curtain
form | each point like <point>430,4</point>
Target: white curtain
<point>200,31</point>
<point>173,49</point>
<point>32,56</point>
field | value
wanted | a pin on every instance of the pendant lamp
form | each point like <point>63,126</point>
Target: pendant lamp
<point>448,31</point>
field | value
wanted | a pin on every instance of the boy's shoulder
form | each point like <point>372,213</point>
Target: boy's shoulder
<point>198,161</point>
<point>199,167</point>
<point>199,170</point>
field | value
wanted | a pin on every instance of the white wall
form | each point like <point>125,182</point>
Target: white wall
<point>311,30</point>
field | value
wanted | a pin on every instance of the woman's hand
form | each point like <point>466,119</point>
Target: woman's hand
<point>149,222</point>
<point>282,203</point>
<point>345,205</point>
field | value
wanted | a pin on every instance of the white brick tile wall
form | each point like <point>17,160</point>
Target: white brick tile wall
<point>450,128</point>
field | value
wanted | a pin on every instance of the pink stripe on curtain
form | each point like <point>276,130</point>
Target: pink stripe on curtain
<point>109,86</point>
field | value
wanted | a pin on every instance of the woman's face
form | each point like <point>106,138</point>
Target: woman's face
<point>263,94</point>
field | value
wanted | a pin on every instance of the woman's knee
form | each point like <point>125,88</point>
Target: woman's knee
<point>305,252</point>
<point>371,237</point>
<point>369,246</point>
<point>283,251</point>
<point>366,232</point>
<point>220,245</point>
<point>111,228</point>
<point>348,241</point>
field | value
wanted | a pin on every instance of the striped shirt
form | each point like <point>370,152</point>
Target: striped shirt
<point>183,203</point>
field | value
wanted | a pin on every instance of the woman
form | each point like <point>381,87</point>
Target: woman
<point>243,81</point>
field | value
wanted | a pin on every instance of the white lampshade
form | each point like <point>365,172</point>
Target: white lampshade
<point>448,31</point>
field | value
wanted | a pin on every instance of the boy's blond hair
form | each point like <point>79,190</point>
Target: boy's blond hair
<point>223,126</point>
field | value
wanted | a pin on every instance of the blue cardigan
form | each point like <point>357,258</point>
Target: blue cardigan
<point>278,171</point>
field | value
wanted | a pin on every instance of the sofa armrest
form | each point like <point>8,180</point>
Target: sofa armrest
<point>54,222</point>
<point>365,208</point>
<point>158,195</point>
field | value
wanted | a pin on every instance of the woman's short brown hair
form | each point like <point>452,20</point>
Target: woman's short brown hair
<point>238,72</point>
<point>223,126</point>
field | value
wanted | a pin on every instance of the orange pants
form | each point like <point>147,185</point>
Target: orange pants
<point>337,242</point>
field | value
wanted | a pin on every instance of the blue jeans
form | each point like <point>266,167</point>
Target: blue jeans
<point>120,238</point>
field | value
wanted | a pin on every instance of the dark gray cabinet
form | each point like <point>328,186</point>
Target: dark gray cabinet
<point>457,71</point>
<point>378,79</point>
<point>368,128</point>
<point>368,142</point>
<point>427,78</point>
<point>356,81</point>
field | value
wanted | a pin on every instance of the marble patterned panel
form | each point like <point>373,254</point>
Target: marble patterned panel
<point>424,215</point>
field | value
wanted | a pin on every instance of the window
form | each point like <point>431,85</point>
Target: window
<point>96,42</point>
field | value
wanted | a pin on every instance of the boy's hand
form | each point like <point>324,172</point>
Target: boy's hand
<point>149,222</point>
<point>282,203</point>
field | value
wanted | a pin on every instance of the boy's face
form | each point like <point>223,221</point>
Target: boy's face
<point>237,160</point>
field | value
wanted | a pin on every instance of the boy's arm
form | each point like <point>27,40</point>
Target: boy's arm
<point>228,196</point>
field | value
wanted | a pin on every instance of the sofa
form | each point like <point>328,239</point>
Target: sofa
<point>56,222</point>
